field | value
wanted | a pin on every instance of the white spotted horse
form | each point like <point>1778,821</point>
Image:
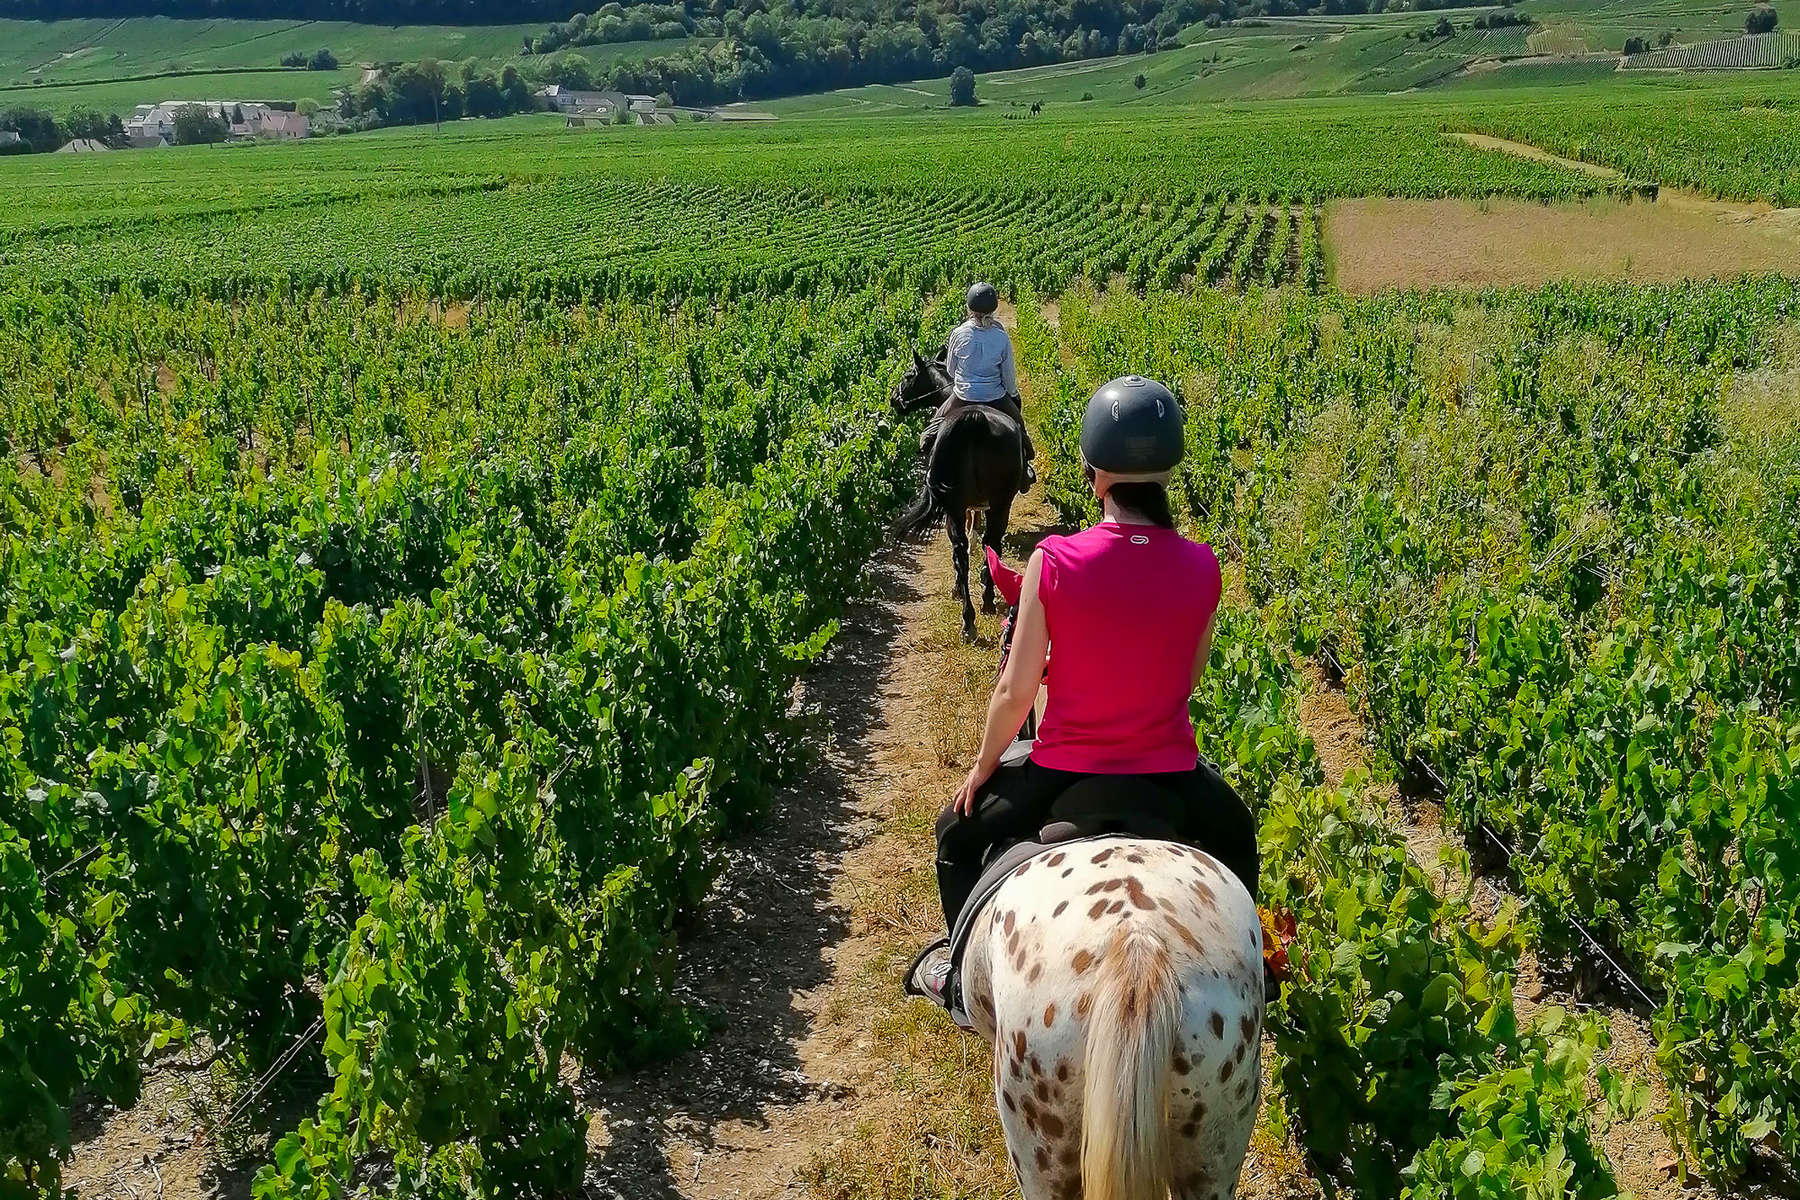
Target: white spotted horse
<point>1120,982</point>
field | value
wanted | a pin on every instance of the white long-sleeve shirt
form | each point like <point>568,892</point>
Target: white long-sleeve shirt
<point>981,363</point>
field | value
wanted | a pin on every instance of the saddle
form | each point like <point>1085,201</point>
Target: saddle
<point>1100,806</point>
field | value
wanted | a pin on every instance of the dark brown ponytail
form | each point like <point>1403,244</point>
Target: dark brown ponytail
<point>1147,500</point>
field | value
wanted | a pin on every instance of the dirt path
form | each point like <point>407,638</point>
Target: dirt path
<point>1766,216</point>
<point>783,1079</point>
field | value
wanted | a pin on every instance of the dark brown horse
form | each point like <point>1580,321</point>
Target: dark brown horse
<point>975,465</point>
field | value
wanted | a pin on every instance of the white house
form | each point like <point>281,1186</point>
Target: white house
<point>568,100</point>
<point>248,120</point>
<point>84,146</point>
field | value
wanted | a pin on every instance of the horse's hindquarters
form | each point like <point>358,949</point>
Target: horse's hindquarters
<point>1121,982</point>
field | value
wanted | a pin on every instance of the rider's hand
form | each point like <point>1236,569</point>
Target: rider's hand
<point>970,791</point>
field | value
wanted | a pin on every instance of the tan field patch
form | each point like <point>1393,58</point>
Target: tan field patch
<point>1373,243</point>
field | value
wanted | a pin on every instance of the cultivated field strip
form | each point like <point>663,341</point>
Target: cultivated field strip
<point>1556,559</point>
<point>376,678</point>
<point>624,238</point>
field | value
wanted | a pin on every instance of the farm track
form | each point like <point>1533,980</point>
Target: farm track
<point>1639,1148</point>
<point>822,1063</point>
<point>1784,221</point>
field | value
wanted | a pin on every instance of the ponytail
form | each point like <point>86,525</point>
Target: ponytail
<point>1148,500</point>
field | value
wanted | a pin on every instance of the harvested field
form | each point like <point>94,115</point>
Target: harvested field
<point>1373,244</point>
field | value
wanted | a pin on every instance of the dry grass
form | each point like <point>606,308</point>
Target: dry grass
<point>1376,243</point>
<point>934,1131</point>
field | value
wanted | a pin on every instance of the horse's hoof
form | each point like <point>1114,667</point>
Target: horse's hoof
<point>987,606</point>
<point>968,633</point>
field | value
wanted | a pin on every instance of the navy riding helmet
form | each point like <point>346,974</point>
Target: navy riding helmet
<point>1132,427</point>
<point>983,299</point>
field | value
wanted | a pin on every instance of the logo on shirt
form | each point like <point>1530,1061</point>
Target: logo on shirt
<point>1138,539</point>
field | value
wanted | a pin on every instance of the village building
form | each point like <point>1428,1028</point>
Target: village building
<point>84,146</point>
<point>152,125</point>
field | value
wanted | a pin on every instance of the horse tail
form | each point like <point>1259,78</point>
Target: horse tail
<point>927,507</point>
<point>953,444</point>
<point>1125,1152</point>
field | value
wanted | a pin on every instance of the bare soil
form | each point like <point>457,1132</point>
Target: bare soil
<point>1376,243</point>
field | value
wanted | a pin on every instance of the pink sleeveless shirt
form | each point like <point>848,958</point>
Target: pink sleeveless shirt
<point>1126,607</point>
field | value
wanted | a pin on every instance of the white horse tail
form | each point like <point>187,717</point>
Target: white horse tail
<point>1131,1040</point>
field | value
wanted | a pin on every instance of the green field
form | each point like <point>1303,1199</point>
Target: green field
<point>66,51</point>
<point>411,544</point>
<point>122,96</point>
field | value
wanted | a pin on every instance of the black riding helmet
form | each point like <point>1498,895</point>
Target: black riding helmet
<point>1132,427</point>
<point>983,298</point>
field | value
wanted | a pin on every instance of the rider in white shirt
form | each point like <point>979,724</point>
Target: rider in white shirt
<point>980,362</point>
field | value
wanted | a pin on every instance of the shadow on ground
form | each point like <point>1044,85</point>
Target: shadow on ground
<point>763,946</point>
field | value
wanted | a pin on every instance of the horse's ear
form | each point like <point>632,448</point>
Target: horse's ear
<point>918,359</point>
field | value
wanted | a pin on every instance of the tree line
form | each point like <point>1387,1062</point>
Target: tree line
<point>40,130</point>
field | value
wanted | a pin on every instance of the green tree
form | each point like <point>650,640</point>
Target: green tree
<point>322,60</point>
<point>1138,81</point>
<point>35,127</point>
<point>962,87</point>
<point>1636,45</point>
<point>1762,19</point>
<point>84,122</point>
<point>197,125</point>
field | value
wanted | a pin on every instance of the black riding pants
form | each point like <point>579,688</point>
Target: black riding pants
<point>1208,814</point>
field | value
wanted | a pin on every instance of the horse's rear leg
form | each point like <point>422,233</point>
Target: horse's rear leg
<point>992,534</point>
<point>959,561</point>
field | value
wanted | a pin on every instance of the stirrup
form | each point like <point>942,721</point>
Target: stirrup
<point>915,985</point>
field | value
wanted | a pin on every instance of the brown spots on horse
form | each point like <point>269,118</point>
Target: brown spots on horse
<point>1199,1111</point>
<point>1099,907</point>
<point>1115,906</point>
<point>1068,871</point>
<point>1012,1105</point>
<point>1247,1026</point>
<point>1023,867</point>
<point>1106,885</point>
<point>1205,894</point>
<point>1062,1069</point>
<point>1226,1068</point>
<point>1019,1043</point>
<point>1037,969</point>
<point>1058,910</point>
<point>1053,1125</point>
<point>1166,906</point>
<point>1083,1004</point>
<point>1217,1021</point>
<point>1082,961</point>
<point>1100,858</point>
<point>1043,1158</point>
<point>1188,938</point>
<point>1182,1065</point>
<point>1011,919</point>
<point>1056,860</point>
<point>1134,889</point>
<point>1037,1068</point>
<point>1189,1130</point>
<point>1135,857</point>
<point>1049,1015</point>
